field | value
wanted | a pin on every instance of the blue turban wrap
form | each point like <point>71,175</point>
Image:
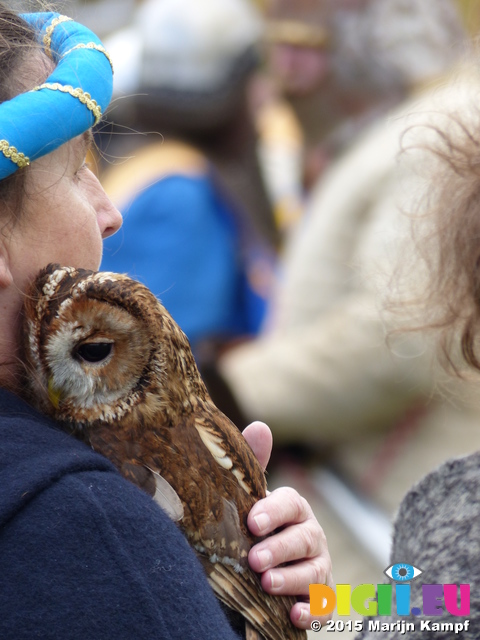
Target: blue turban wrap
<point>71,100</point>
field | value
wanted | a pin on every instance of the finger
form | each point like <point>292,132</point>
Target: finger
<point>283,506</point>
<point>259,437</point>
<point>302,618</point>
<point>295,542</point>
<point>294,580</point>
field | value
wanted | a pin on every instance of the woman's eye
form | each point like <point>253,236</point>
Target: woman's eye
<point>402,572</point>
<point>80,171</point>
<point>94,351</point>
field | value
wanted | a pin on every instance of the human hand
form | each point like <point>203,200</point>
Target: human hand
<point>301,541</point>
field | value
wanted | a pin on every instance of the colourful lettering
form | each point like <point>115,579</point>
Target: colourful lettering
<point>384,599</point>
<point>432,595</point>
<point>450,593</point>
<point>402,592</point>
<point>360,595</point>
<point>322,599</point>
<point>367,601</point>
<point>343,599</point>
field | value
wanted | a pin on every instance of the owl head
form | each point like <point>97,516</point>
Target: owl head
<point>99,346</point>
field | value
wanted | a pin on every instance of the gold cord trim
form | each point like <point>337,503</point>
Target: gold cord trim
<point>13,154</point>
<point>91,45</point>
<point>84,97</point>
<point>47,38</point>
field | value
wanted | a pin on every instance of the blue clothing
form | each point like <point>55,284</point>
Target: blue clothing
<point>84,554</point>
<point>181,239</point>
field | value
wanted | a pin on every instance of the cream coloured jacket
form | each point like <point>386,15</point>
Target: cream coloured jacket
<point>328,369</point>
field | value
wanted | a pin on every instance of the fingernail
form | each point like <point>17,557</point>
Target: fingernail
<point>265,558</point>
<point>263,521</point>
<point>276,579</point>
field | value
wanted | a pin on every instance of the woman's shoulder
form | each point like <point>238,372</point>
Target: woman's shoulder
<point>437,526</point>
<point>34,448</point>
<point>36,456</point>
<point>42,465</point>
<point>456,477</point>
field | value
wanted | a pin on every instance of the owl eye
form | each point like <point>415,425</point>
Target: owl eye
<point>93,351</point>
<point>402,572</point>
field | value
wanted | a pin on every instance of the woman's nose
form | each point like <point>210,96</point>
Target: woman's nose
<point>112,219</point>
<point>108,216</point>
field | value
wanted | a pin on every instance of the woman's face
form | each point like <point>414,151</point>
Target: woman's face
<point>65,214</point>
<point>299,70</point>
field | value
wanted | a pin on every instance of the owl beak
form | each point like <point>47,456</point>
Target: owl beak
<point>54,394</point>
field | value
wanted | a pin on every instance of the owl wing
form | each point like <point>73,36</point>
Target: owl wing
<point>156,486</point>
<point>224,537</point>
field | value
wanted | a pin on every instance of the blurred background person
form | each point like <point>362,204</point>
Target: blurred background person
<point>331,373</point>
<point>199,228</point>
<point>340,65</point>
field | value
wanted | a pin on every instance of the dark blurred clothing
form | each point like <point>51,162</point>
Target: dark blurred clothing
<point>186,240</point>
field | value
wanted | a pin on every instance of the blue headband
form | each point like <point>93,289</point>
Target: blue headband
<point>70,101</point>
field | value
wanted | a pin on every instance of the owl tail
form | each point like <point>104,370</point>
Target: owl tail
<point>250,633</point>
<point>268,615</point>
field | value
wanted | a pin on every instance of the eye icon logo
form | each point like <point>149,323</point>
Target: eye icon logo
<point>402,572</point>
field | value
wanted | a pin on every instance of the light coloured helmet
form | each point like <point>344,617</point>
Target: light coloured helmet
<point>184,45</point>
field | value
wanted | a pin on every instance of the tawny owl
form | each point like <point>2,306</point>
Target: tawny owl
<point>105,358</point>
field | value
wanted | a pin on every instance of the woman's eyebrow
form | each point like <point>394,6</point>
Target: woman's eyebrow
<point>87,140</point>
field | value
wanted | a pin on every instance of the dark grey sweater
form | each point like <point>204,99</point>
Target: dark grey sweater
<point>437,529</point>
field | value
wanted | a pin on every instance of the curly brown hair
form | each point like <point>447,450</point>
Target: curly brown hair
<point>447,237</point>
